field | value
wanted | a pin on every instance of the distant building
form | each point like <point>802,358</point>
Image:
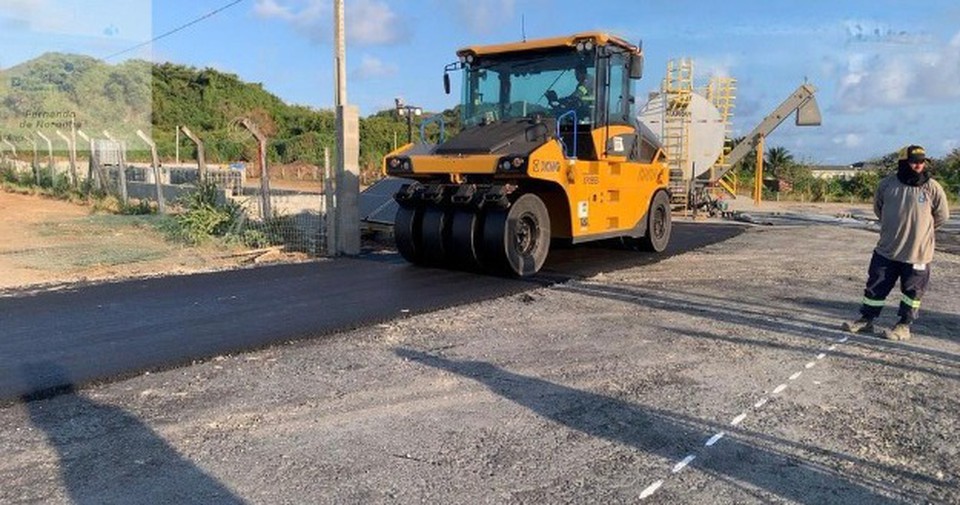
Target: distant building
<point>839,171</point>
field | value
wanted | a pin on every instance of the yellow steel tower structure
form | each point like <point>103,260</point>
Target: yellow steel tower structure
<point>677,91</point>
<point>721,91</point>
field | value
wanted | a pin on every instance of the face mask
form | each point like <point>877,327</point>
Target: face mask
<point>909,177</point>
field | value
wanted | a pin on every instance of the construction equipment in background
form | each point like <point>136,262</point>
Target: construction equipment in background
<point>802,101</point>
<point>549,150</point>
<point>690,124</point>
<point>694,126</point>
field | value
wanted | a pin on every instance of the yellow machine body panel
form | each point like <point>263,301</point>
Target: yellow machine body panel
<point>606,197</point>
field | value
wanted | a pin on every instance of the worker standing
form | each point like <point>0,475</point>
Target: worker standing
<point>910,206</point>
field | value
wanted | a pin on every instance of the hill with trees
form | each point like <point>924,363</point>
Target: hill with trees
<point>56,89</point>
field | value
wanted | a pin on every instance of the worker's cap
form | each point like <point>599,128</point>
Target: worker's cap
<point>913,154</point>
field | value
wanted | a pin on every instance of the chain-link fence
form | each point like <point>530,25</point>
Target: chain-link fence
<point>286,211</point>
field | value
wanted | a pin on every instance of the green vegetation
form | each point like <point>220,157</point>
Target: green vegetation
<point>157,98</point>
<point>795,180</point>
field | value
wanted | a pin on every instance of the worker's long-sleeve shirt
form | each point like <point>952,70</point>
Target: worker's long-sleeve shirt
<point>908,217</point>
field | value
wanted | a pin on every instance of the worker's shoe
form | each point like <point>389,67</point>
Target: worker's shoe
<point>862,325</point>
<point>900,331</point>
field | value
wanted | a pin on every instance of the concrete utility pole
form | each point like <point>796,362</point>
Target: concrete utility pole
<point>345,234</point>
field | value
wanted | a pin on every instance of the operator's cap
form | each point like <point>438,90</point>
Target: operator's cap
<point>913,154</point>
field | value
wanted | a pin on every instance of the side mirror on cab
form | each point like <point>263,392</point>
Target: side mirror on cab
<point>446,83</point>
<point>636,66</point>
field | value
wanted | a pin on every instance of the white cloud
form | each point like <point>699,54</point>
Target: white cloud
<point>914,76</point>
<point>373,68</point>
<point>848,140</point>
<point>306,16</point>
<point>368,22</point>
<point>483,16</point>
<point>271,9</point>
<point>371,22</point>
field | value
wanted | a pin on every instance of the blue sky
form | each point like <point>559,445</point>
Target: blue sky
<point>888,72</point>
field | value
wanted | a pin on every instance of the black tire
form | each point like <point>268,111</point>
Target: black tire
<point>465,240</point>
<point>407,229</point>
<point>516,240</point>
<point>435,233</point>
<point>658,224</point>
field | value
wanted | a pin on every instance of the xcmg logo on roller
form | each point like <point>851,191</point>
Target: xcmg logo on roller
<point>545,166</point>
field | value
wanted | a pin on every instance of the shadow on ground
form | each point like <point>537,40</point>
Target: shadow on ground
<point>108,455</point>
<point>670,436</point>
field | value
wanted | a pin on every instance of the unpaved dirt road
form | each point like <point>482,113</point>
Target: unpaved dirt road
<point>715,376</point>
<point>48,242</point>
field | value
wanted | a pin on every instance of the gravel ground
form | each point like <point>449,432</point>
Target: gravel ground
<point>716,376</point>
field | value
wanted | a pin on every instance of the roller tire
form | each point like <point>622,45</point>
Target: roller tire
<point>659,225</point>
<point>435,237</point>
<point>407,228</point>
<point>465,240</point>
<point>516,240</point>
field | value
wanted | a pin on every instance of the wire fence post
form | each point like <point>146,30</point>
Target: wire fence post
<point>155,160</point>
<point>201,162</point>
<point>36,160</point>
<point>74,178</point>
<point>252,127</point>
<point>49,159</point>
<point>124,196</point>
<point>329,205</point>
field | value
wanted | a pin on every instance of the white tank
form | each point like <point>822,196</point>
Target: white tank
<point>706,130</point>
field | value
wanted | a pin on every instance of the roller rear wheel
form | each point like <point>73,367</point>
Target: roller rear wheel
<point>658,224</point>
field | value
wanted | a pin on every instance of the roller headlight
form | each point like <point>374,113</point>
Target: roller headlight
<point>512,164</point>
<point>399,164</point>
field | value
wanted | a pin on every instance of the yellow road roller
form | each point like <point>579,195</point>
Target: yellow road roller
<point>549,150</point>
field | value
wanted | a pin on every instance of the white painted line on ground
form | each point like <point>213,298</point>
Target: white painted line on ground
<point>651,489</point>
<point>714,439</point>
<point>683,464</point>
